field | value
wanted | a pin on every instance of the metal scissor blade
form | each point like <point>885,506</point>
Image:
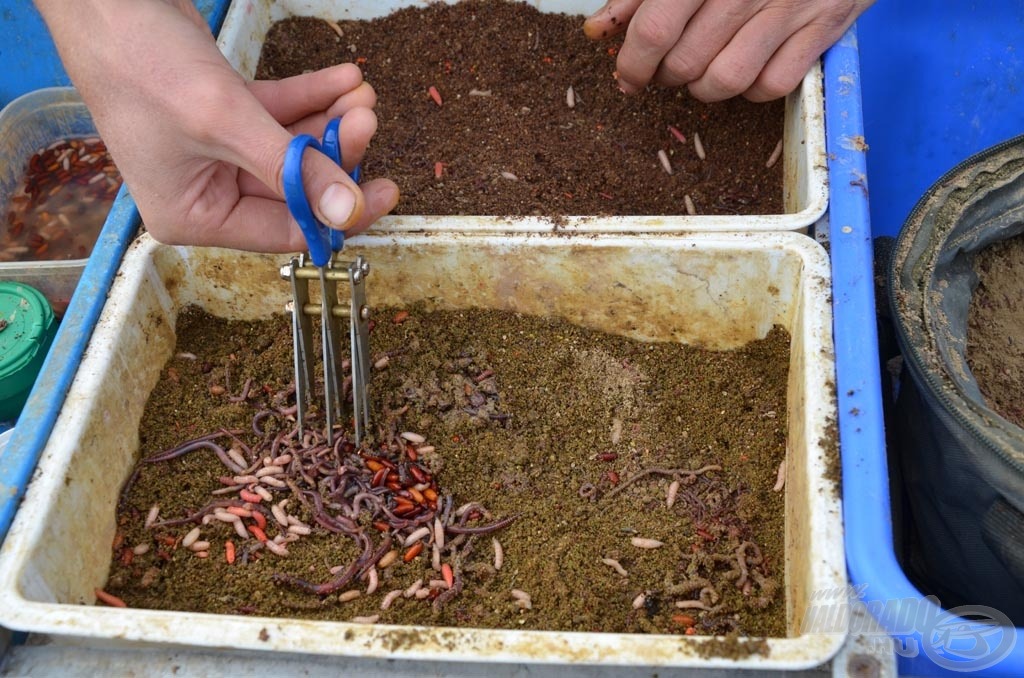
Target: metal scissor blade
<point>302,340</point>
<point>359,335</point>
<point>332,347</point>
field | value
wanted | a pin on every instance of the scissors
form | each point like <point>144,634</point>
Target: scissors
<point>322,264</point>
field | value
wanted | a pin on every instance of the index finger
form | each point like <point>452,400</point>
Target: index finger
<point>611,19</point>
<point>653,31</point>
<point>291,99</point>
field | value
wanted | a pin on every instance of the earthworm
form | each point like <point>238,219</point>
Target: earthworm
<point>664,472</point>
<point>186,447</point>
<point>451,593</point>
<point>692,605</point>
<point>741,560</point>
<point>244,395</point>
<point>340,581</point>
<point>258,419</point>
<point>482,529</point>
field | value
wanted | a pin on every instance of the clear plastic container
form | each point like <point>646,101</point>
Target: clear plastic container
<point>29,124</point>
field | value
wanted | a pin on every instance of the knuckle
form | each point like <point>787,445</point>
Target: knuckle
<point>724,81</point>
<point>682,65</point>
<point>773,84</point>
<point>654,29</point>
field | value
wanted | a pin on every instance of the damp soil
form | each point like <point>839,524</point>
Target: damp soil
<point>508,142</point>
<point>563,429</point>
<point>995,328</point>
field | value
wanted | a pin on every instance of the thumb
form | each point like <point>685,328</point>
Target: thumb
<point>335,199</point>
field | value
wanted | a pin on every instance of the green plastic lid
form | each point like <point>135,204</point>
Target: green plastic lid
<point>27,326</point>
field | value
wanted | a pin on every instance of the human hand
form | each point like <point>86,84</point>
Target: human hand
<point>202,150</point>
<point>722,48</point>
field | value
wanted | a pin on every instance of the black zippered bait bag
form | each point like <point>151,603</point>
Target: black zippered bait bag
<point>960,524</point>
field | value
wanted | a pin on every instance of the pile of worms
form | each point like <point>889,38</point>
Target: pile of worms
<point>383,496</point>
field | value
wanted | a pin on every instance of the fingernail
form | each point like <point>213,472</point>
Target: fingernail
<point>336,204</point>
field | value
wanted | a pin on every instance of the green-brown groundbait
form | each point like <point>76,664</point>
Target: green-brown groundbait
<point>577,435</point>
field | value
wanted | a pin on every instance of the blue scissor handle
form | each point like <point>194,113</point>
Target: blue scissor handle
<point>331,147</point>
<point>322,240</point>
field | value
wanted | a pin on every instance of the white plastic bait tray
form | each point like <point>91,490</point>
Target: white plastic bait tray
<point>805,173</point>
<point>717,290</point>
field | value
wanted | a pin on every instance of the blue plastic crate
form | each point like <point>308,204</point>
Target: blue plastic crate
<point>939,84</point>
<point>941,81</point>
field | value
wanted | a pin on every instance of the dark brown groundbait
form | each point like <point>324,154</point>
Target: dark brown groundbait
<point>505,140</point>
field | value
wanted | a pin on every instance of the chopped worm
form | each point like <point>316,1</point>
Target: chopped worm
<point>371,619</point>
<point>673,490</point>
<point>190,538</point>
<point>774,157</point>
<point>691,605</point>
<point>698,146</point>
<point>351,594</point>
<point>665,163</point>
<point>522,598</point>
<point>416,535</point>
<point>780,481</point>
<point>390,598</point>
<point>388,559</point>
<point>615,565</point>
<point>335,27</point>
<point>154,513</point>
<point>499,554</point>
<point>438,532</point>
<point>411,591</point>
